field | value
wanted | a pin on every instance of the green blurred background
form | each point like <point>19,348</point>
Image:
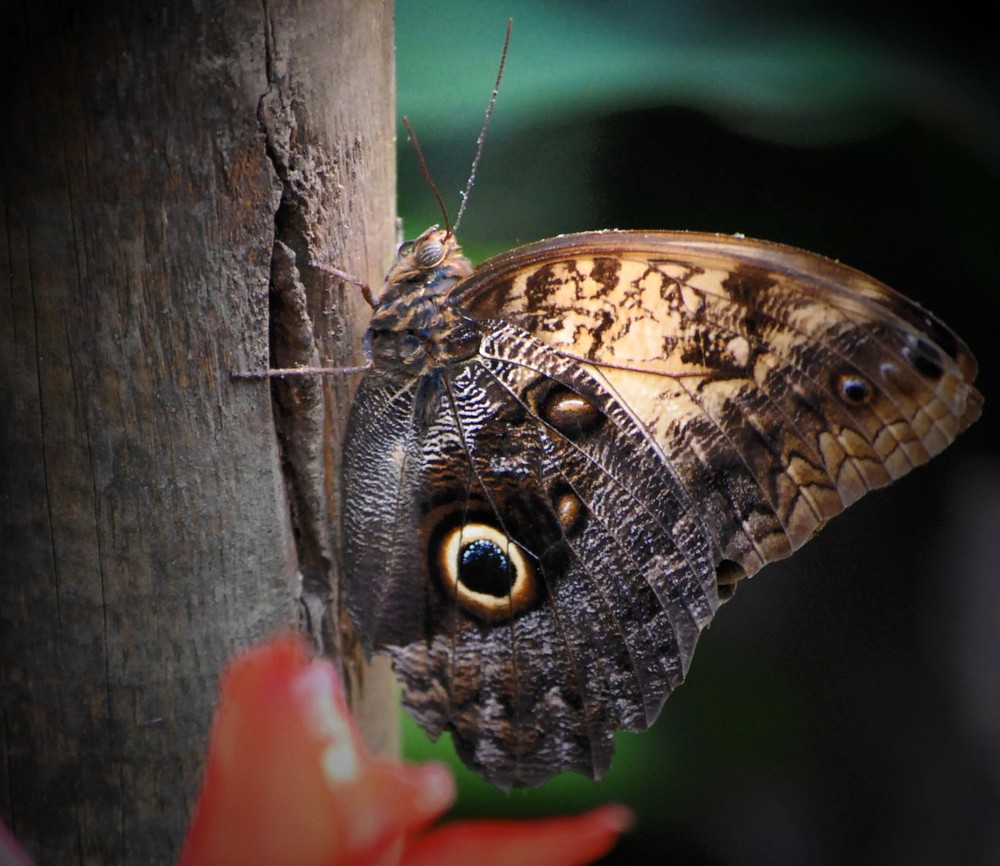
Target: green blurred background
<point>845,707</point>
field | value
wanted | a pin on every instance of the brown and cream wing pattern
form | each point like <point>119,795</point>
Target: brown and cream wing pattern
<point>778,385</point>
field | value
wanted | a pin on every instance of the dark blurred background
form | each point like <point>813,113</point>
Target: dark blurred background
<point>845,707</point>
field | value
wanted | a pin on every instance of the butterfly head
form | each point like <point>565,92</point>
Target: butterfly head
<point>412,328</point>
<point>430,265</point>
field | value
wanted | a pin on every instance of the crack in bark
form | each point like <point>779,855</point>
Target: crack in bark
<point>298,403</point>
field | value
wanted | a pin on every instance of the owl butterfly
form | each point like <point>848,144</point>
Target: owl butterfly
<point>563,460</point>
<point>560,463</point>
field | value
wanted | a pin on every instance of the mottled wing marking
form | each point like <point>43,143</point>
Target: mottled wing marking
<point>732,354</point>
<point>625,591</point>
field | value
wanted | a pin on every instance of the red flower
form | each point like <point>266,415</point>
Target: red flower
<point>289,781</point>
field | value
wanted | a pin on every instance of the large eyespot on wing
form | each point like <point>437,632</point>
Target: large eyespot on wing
<point>565,579</point>
<point>780,385</point>
<point>435,578</point>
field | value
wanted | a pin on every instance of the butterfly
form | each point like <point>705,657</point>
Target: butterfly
<point>562,462</point>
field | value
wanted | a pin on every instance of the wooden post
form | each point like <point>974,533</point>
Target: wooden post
<point>163,165</point>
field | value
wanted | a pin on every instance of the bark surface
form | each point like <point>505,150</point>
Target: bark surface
<point>171,173</point>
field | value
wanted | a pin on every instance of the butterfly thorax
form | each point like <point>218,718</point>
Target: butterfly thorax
<point>414,329</point>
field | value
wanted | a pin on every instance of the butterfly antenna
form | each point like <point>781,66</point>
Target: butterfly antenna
<point>427,173</point>
<point>486,123</point>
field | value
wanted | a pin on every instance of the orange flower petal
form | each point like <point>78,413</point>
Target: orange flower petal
<point>547,842</point>
<point>287,779</point>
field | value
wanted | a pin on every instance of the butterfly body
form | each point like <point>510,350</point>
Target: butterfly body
<point>565,458</point>
<point>413,330</point>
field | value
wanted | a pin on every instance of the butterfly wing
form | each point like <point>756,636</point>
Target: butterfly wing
<point>549,598</point>
<point>778,385</point>
<point>539,533</point>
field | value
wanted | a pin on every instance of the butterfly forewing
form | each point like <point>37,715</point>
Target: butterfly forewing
<point>562,462</point>
<point>779,384</point>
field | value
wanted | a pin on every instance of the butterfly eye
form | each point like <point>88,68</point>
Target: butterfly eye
<point>488,575</point>
<point>430,253</point>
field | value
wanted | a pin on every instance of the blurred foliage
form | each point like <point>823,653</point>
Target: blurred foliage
<point>794,75</point>
<point>821,722</point>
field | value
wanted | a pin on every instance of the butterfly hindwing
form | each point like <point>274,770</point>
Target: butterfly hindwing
<point>529,453</point>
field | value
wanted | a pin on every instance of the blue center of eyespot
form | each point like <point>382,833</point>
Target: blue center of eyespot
<point>484,567</point>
